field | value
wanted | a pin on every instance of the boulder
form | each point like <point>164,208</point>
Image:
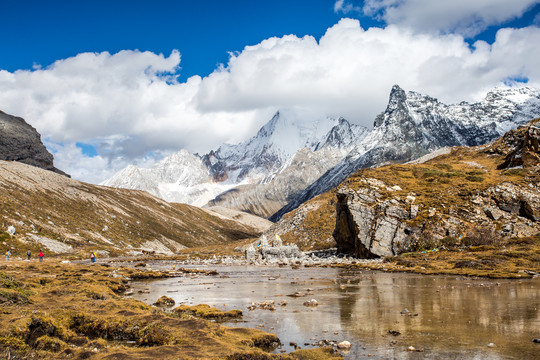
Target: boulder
<point>517,200</point>
<point>344,345</point>
<point>493,213</point>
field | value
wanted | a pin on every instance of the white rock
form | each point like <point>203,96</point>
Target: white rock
<point>11,230</point>
<point>344,345</point>
<point>311,302</point>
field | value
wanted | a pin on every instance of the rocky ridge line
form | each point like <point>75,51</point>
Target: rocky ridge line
<point>20,142</point>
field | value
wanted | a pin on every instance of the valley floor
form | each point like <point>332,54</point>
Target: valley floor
<point>512,259</point>
<point>59,309</point>
<point>63,309</point>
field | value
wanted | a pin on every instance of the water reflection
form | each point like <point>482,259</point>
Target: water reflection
<point>454,316</point>
<point>448,317</point>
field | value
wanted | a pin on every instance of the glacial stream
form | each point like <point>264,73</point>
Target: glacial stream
<point>445,317</point>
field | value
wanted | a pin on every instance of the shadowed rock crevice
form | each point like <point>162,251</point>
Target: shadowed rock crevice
<point>346,232</point>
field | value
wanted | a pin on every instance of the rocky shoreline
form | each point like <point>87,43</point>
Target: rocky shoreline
<point>515,259</point>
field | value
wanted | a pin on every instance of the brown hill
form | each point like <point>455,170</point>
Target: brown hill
<point>62,215</point>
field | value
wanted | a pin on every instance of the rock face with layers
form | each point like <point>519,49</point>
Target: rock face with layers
<point>367,227</point>
<point>21,142</point>
<point>375,219</point>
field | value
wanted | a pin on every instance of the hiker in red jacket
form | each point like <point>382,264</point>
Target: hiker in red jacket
<point>40,256</point>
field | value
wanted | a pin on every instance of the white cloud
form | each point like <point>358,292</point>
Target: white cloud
<point>130,106</point>
<point>344,7</point>
<point>465,17</point>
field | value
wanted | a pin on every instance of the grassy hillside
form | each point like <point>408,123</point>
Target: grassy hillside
<point>62,215</point>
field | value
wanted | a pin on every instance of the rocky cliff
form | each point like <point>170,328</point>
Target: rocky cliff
<point>21,142</point>
<point>382,211</point>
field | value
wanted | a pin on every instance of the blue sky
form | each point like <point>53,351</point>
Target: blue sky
<point>40,32</point>
<point>204,31</point>
<point>110,83</point>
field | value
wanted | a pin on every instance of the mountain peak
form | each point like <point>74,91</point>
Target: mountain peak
<point>397,96</point>
<point>270,127</point>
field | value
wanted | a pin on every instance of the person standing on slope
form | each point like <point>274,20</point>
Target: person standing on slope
<point>40,256</point>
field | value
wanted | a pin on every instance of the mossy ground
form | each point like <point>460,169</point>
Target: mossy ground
<point>207,312</point>
<point>59,310</point>
<point>515,259</point>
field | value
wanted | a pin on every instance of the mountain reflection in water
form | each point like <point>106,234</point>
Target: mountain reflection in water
<point>448,317</point>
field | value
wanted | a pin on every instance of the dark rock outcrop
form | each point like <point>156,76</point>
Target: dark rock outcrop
<point>20,142</point>
<point>366,225</point>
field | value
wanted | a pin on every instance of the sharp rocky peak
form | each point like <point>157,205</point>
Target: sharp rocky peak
<point>414,124</point>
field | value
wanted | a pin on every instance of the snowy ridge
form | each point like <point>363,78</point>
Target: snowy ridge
<point>184,177</point>
<point>414,125</point>
<point>267,153</point>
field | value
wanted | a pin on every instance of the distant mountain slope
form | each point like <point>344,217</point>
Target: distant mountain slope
<point>413,125</point>
<point>21,142</point>
<point>65,215</point>
<point>442,198</point>
<point>259,175</point>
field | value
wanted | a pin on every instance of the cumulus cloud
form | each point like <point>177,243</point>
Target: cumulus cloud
<point>350,70</point>
<point>465,17</point>
<point>126,105</point>
<point>130,107</point>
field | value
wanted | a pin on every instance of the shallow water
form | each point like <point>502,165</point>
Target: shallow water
<point>449,317</point>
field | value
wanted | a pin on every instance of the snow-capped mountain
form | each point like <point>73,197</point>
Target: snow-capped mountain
<point>263,159</point>
<point>414,124</point>
<point>177,178</point>
<point>258,159</point>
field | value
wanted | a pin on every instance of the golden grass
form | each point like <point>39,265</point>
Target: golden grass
<point>517,258</point>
